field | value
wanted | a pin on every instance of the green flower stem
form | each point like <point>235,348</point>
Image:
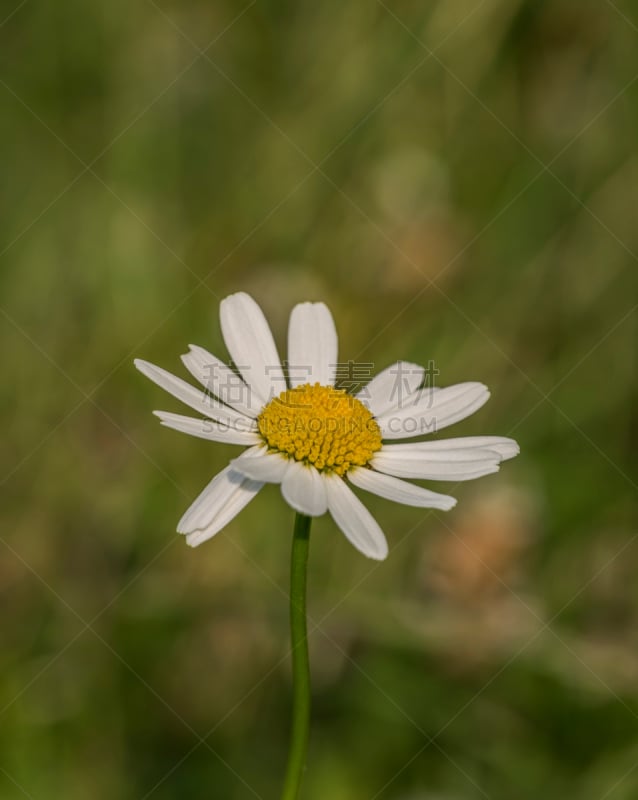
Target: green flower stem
<point>300,660</point>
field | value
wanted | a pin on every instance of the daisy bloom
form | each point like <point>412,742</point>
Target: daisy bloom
<point>315,440</point>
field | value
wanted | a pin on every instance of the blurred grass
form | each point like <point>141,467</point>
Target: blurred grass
<point>161,155</point>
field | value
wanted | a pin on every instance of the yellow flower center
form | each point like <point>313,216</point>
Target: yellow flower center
<point>322,426</point>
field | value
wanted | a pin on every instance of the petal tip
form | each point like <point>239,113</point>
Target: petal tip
<point>234,298</point>
<point>306,511</point>
<point>378,555</point>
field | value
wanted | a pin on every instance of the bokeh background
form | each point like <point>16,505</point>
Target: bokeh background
<point>458,180</point>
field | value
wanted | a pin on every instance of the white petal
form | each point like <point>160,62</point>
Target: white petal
<point>241,495</point>
<point>251,345</point>
<point>506,448</point>
<point>259,464</point>
<point>429,411</point>
<point>230,432</point>
<point>312,345</point>
<point>219,379</point>
<point>354,519</point>
<point>192,397</point>
<point>211,501</point>
<point>400,491</point>
<point>392,387</point>
<point>303,488</point>
<point>415,461</point>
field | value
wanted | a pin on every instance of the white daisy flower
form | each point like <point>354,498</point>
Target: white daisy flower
<point>316,440</point>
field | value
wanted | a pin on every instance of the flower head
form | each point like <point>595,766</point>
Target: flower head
<point>324,427</point>
<point>312,438</point>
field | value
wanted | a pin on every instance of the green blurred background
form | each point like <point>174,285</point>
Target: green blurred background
<point>458,180</point>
